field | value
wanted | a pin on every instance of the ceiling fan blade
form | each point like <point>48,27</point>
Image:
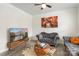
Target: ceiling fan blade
<point>49,6</point>
<point>37,4</point>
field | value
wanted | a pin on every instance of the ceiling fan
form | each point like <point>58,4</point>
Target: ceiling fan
<point>43,5</point>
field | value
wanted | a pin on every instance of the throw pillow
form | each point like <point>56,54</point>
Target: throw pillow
<point>74,40</point>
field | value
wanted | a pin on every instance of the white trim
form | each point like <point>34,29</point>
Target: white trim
<point>4,50</point>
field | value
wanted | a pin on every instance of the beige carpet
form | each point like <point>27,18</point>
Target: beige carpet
<point>29,52</point>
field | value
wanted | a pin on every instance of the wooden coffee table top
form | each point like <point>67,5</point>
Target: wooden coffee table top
<point>48,50</point>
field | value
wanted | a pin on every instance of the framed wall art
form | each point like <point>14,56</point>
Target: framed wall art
<point>49,22</point>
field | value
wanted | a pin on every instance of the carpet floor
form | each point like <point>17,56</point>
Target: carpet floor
<point>19,52</point>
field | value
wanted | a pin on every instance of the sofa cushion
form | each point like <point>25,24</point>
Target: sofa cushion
<point>40,36</point>
<point>74,40</point>
<point>43,40</point>
<point>45,35</point>
<point>47,40</point>
<point>53,35</point>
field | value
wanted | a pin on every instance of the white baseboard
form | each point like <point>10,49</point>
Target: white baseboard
<point>4,50</point>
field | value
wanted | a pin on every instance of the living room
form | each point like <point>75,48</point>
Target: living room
<point>29,16</point>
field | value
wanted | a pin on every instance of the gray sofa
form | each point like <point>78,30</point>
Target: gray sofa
<point>50,38</point>
<point>71,48</point>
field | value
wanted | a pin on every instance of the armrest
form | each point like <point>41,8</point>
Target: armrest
<point>37,36</point>
<point>66,38</point>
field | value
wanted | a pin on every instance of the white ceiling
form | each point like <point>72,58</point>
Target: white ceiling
<point>34,10</point>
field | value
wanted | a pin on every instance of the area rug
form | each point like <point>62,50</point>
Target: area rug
<point>31,52</point>
<point>51,51</point>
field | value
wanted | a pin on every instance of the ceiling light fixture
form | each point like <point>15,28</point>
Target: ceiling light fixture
<point>43,5</point>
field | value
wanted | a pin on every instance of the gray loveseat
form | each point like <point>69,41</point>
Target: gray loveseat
<point>71,48</point>
<point>50,38</point>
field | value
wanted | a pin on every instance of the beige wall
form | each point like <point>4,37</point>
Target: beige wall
<point>78,20</point>
<point>11,17</point>
<point>67,22</point>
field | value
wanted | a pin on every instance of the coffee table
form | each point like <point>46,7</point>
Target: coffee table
<point>46,51</point>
